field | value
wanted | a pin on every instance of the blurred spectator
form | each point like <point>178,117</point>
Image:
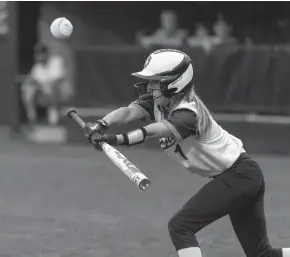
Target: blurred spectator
<point>283,30</point>
<point>201,38</point>
<point>248,41</point>
<point>222,32</point>
<point>41,87</point>
<point>168,35</point>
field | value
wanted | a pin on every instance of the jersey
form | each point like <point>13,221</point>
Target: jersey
<point>207,156</point>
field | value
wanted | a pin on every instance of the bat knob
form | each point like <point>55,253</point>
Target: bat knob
<point>144,184</point>
<point>70,111</point>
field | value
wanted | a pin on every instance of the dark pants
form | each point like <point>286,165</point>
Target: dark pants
<point>237,192</point>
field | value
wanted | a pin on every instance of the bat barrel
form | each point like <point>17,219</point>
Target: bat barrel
<point>140,180</point>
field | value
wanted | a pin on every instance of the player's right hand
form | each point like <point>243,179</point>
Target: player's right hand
<point>91,128</point>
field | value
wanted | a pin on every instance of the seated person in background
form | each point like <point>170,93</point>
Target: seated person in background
<point>169,35</point>
<point>41,87</point>
<point>201,38</point>
<point>222,32</point>
<point>283,28</point>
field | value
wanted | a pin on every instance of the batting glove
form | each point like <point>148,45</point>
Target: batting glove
<point>91,128</point>
<point>107,138</point>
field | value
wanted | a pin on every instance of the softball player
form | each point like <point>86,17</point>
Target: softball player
<point>188,133</point>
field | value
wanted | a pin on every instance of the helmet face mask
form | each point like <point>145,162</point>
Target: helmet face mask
<point>142,93</point>
<point>145,95</point>
<point>141,88</point>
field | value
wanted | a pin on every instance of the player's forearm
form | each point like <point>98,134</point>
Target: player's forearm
<point>154,130</point>
<point>157,130</point>
<point>120,116</point>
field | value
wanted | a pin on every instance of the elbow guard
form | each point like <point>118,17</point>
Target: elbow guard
<point>134,137</point>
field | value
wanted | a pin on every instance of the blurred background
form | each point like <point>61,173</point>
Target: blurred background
<point>56,193</point>
<point>240,50</point>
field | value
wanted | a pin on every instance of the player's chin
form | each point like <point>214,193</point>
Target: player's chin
<point>162,101</point>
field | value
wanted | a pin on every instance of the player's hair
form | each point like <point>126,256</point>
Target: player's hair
<point>204,118</point>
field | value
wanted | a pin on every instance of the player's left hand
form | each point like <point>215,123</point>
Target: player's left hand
<point>98,127</point>
<point>110,139</point>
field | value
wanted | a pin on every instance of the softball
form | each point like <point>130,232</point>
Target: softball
<point>61,28</point>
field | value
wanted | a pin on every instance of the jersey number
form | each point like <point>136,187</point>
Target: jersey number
<point>179,150</point>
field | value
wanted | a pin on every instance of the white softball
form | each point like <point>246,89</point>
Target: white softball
<point>61,28</point>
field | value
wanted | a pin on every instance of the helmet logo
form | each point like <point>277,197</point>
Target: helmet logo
<point>147,61</point>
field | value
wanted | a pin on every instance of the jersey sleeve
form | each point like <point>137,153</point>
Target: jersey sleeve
<point>182,123</point>
<point>147,108</point>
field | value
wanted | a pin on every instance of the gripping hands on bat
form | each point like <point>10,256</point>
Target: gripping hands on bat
<point>93,132</point>
<point>92,128</point>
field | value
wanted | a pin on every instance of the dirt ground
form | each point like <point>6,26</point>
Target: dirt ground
<point>70,201</point>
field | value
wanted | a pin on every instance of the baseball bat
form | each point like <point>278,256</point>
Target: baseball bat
<point>127,167</point>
